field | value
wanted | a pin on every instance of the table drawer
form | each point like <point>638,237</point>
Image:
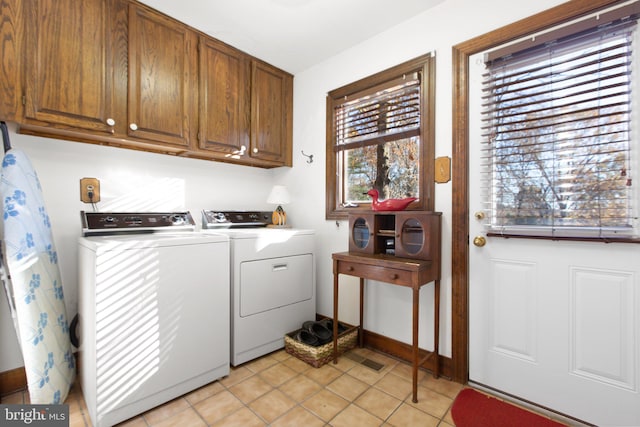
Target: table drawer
<point>382,274</point>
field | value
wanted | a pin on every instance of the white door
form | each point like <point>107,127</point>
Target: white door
<point>553,322</point>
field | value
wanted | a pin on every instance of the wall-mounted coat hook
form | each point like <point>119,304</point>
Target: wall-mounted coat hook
<point>310,156</point>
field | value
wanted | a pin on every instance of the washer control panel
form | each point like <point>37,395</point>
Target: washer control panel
<point>101,223</point>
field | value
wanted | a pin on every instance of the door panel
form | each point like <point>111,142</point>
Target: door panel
<point>69,78</point>
<point>601,304</point>
<point>162,78</point>
<point>271,104</point>
<point>224,99</point>
<point>553,322</point>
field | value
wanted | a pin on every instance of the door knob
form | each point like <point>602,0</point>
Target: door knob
<point>479,241</point>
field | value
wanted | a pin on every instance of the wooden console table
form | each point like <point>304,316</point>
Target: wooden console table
<point>396,271</point>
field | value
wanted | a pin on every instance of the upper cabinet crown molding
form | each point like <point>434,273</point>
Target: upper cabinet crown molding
<point>117,72</point>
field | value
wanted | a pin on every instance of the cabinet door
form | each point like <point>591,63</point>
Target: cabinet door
<point>418,235</point>
<point>70,62</point>
<point>11,59</point>
<point>224,100</point>
<point>162,78</point>
<point>271,114</point>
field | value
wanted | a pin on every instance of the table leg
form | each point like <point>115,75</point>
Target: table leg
<point>335,311</point>
<point>415,349</point>
<point>361,336</point>
<point>436,328</point>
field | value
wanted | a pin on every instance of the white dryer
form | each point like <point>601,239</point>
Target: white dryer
<point>154,316</point>
<point>273,287</point>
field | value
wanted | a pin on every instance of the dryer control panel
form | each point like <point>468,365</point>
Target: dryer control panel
<point>235,219</point>
<point>105,223</point>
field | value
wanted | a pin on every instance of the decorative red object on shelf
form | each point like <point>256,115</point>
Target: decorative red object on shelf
<point>389,204</point>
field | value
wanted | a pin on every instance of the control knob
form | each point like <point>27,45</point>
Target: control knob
<point>178,219</point>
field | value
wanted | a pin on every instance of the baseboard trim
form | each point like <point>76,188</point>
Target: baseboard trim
<point>13,381</point>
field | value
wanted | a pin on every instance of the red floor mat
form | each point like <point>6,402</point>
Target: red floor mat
<point>474,409</point>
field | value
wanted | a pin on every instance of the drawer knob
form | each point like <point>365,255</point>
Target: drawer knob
<point>394,276</point>
<point>350,268</point>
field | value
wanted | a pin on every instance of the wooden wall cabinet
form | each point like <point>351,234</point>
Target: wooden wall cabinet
<point>109,71</point>
<point>162,79</point>
<point>71,64</point>
<point>271,114</point>
<point>224,100</point>
<point>245,107</point>
<point>117,72</point>
<point>11,58</point>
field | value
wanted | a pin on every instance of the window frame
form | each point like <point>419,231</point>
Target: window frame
<point>424,64</point>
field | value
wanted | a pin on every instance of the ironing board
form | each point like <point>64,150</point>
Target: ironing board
<point>33,285</point>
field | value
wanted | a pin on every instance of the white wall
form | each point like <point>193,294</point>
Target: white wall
<point>388,309</point>
<point>130,181</point>
<point>144,181</point>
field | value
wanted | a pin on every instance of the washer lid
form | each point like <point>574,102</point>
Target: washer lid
<point>151,240</point>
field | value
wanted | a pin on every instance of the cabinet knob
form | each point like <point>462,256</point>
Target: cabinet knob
<point>255,150</point>
<point>133,126</point>
<point>111,122</point>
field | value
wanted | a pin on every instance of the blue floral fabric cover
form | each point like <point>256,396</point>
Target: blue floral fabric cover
<point>32,264</point>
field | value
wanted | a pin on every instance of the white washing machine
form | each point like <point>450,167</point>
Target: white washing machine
<point>154,313</point>
<point>272,280</point>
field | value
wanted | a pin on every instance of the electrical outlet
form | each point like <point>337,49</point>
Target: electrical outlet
<point>90,190</point>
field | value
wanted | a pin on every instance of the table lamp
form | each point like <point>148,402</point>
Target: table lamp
<point>279,196</point>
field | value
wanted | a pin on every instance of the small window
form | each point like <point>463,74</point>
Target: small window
<point>380,136</point>
<point>558,132</point>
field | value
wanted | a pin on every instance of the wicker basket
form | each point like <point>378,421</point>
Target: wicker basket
<point>318,356</point>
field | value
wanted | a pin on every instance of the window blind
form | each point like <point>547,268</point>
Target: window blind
<point>557,135</point>
<point>388,112</point>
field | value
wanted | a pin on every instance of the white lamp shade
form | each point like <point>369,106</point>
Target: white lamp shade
<point>279,195</point>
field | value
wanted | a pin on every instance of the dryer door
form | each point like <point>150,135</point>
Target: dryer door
<point>275,282</point>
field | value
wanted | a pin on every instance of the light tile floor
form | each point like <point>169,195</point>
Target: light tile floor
<point>280,390</point>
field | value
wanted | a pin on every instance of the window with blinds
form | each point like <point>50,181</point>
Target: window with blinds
<point>381,135</point>
<point>559,132</point>
<point>377,140</point>
<point>386,113</point>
